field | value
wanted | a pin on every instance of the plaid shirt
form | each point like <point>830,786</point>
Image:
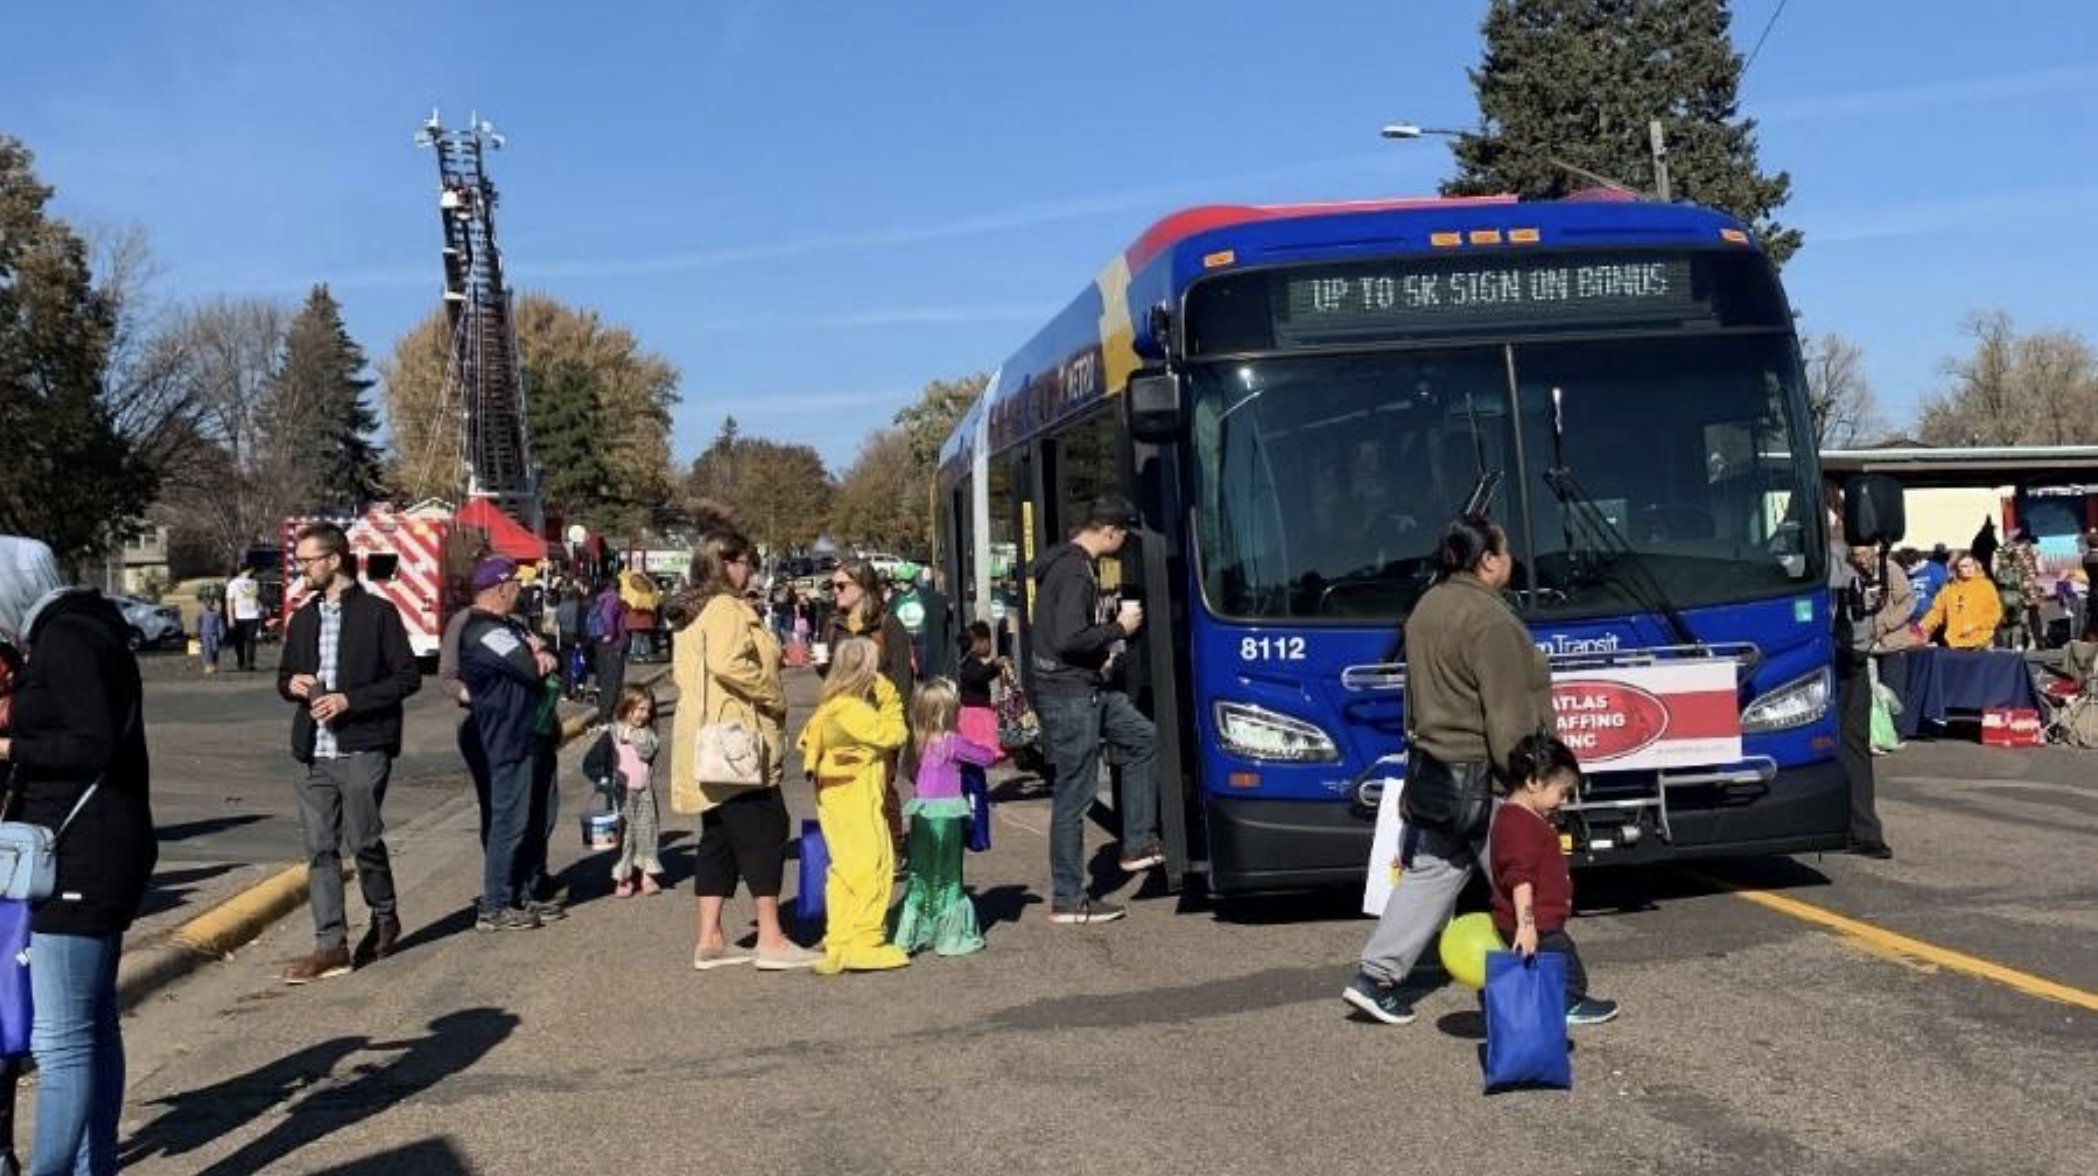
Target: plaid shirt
<point>331,638</point>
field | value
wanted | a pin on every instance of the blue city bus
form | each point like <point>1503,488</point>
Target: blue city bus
<point>1298,398</point>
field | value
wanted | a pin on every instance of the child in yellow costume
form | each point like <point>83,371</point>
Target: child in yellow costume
<point>845,747</point>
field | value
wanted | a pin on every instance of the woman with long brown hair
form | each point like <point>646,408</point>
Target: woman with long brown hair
<point>860,609</point>
<point>727,669</point>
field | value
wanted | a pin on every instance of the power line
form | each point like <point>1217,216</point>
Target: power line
<point>1767,26</point>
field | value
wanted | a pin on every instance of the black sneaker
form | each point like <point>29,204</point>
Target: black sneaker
<point>1085,910</point>
<point>1877,850</point>
<point>1381,1001</point>
<point>1150,856</point>
<point>546,912</point>
<point>1590,1011</point>
<point>507,919</point>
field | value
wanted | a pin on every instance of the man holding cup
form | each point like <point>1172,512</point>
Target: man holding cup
<point>1072,650</point>
<point>347,667</point>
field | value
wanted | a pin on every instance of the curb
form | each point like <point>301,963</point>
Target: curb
<point>240,919</point>
<point>210,936</point>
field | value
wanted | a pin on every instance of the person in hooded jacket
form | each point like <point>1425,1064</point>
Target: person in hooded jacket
<point>77,756</point>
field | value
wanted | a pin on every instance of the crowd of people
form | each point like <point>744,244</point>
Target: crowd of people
<point>901,705</point>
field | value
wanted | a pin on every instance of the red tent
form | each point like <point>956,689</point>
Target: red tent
<point>504,534</point>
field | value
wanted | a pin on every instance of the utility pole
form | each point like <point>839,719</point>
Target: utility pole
<point>1660,145</point>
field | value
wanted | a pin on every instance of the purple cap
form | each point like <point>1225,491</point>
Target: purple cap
<point>490,572</point>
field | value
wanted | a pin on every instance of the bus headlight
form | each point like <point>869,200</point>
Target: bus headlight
<point>1256,732</point>
<point>1795,704</point>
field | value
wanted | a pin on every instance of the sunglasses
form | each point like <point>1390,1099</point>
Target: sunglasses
<point>843,584</point>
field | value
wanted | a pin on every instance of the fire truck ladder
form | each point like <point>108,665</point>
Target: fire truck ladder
<point>483,383</point>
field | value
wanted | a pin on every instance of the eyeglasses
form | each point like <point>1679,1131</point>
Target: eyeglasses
<point>741,559</point>
<point>303,560</point>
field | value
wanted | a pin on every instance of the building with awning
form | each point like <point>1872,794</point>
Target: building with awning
<point>1951,491</point>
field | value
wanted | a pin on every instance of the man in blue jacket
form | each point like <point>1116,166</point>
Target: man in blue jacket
<point>508,675</point>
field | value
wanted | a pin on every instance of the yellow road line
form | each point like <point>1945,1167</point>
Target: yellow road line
<point>1882,942</point>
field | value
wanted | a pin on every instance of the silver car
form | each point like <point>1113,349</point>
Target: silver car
<point>152,625</point>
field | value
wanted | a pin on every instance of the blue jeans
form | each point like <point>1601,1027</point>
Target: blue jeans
<point>509,822</point>
<point>1075,726</point>
<point>79,1051</point>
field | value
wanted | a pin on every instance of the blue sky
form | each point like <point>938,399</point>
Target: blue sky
<point>814,208</point>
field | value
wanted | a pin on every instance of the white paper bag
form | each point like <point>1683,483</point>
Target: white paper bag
<point>1384,850</point>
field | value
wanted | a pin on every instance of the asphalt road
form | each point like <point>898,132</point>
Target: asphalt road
<point>1183,1039</point>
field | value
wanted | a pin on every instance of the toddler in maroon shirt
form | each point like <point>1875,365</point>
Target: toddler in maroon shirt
<point>1532,888</point>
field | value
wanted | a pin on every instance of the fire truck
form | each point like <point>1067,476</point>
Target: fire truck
<point>420,559</point>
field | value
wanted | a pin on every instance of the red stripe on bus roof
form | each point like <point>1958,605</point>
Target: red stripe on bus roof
<point>1181,225</point>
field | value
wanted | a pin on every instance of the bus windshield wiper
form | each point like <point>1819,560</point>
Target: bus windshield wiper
<point>1615,559</point>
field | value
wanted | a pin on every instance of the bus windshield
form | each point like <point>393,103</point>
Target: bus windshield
<point>1655,469</point>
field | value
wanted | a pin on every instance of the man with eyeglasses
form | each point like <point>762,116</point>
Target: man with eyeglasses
<point>347,666</point>
<point>509,678</point>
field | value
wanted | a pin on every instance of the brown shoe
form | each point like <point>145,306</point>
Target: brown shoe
<point>321,965</point>
<point>378,942</point>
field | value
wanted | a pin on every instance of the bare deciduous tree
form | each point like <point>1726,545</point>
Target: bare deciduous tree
<point>1839,396</point>
<point>2012,389</point>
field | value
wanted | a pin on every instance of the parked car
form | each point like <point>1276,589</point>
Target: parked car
<point>153,626</point>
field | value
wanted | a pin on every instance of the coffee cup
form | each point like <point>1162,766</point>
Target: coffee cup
<point>820,653</point>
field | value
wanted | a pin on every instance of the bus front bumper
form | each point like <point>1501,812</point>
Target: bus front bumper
<point>1261,845</point>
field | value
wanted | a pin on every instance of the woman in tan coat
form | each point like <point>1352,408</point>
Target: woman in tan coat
<point>727,670</point>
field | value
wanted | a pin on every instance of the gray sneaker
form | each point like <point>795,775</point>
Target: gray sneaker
<point>507,919</point>
<point>546,912</point>
<point>787,958</point>
<point>1084,912</point>
<point>706,959</point>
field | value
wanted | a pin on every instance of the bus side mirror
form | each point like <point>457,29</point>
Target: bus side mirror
<point>1872,511</point>
<point>1157,413</point>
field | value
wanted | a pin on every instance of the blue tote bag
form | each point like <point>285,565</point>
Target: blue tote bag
<point>814,868</point>
<point>976,789</point>
<point>15,1009</point>
<point>1526,1021</point>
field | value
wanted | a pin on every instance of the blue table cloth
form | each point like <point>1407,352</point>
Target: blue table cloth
<point>1932,681</point>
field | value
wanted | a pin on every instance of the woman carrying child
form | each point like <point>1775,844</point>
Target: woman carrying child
<point>936,911</point>
<point>846,747</point>
<point>634,745</point>
<point>1532,887</point>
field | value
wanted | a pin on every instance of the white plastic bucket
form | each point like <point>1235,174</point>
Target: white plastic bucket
<point>600,831</point>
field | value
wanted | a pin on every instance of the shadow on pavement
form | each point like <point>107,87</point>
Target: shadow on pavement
<point>461,919</point>
<point>1003,904</point>
<point>171,887</point>
<point>318,1103</point>
<point>203,828</point>
<point>431,1157</point>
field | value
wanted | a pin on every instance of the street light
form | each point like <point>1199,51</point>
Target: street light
<point>1401,130</point>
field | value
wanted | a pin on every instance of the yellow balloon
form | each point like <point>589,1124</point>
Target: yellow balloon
<point>1464,945</point>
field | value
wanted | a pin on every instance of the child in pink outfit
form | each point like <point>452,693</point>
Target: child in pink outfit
<point>936,911</point>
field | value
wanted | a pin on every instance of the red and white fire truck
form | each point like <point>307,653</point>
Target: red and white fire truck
<point>420,558</point>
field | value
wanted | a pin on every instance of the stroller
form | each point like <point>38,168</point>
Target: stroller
<point>2073,694</point>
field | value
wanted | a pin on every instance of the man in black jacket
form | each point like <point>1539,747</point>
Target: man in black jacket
<point>347,666</point>
<point>1073,645</point>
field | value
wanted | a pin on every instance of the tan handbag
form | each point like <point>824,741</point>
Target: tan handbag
<point>729,754</point>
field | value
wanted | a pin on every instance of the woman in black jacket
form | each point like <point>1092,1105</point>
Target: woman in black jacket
<point>862,611</point>
<point>78,758</point>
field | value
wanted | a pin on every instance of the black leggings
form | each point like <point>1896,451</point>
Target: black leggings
<point>742,837</point>
<point>1576,975</point>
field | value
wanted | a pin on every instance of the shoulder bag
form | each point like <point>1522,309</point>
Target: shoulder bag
<point>726,754</point>
<point>29,853</point>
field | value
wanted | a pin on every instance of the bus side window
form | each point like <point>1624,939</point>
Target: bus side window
<point>381,566</point>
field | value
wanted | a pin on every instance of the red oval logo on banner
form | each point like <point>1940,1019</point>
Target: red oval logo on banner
<point>1604,721</point>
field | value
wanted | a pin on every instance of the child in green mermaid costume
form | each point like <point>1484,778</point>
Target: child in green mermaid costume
<point>936,911</point>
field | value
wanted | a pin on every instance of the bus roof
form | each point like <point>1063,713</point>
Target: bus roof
<point>1087,352</point>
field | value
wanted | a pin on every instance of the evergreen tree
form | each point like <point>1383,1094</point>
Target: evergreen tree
<point>66,474</point>
<point>1581,79</point>
<point>319,428</point>
<point>568,441</point>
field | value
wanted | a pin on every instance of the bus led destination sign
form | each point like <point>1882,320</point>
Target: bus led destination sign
<point>1333,304</point>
